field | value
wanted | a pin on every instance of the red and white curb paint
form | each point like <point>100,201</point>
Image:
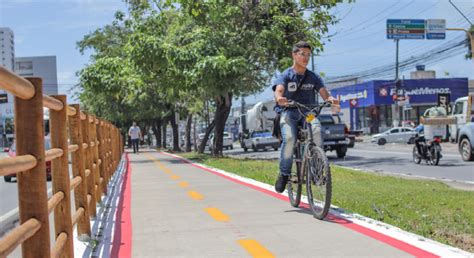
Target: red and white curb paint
<point>408,242</point>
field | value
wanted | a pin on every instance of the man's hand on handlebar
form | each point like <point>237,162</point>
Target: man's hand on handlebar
<point>282,101</point>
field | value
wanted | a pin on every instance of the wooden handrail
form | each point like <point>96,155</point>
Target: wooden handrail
<point>79,213</point>
<point>71,111</point>
<point>75,182</point>
<point>52,103</point>
<point>53,153</point>
<point>89,198</point>
<point>85,146</point>
<point>73,147</point>
<point>59,245</point>
<point>55,199</point>
<point>88,171</point>
<point>18,235</point>
<point>11,165</point>
<point>15,84</point>
<point>92,144</point>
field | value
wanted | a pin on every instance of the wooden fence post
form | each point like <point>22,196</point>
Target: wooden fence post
<point>78,169</point>
<point>95,159</point>
<point>91,198</point>
<point>103,172</point>
<point>60,176</point>
<point>32,196</point>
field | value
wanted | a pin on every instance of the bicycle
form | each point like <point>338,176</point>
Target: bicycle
<point>311,165</point>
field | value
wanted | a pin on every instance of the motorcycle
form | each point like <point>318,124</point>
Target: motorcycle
<point>430,150</point>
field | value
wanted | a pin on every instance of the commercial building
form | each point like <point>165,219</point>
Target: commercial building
<point>369,106</point>
<point>7,58</point>
<point>39,66</point>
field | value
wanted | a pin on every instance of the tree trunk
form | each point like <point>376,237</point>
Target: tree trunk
<point>187,132</point>
<point>223,105</point>
<point>157,132</point>
<point>195,135</point>
<point>163,133</point>
<point>202,145</point>
<point>174,127</point>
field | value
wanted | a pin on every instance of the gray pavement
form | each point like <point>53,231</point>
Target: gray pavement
<point>181,210</point>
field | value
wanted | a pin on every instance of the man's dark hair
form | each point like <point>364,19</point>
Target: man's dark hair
<point>301,44</point>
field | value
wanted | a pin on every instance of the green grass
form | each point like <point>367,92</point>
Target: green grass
<point>428,208</point>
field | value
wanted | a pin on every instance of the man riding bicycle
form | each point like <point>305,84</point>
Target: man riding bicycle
<point>299,84</point>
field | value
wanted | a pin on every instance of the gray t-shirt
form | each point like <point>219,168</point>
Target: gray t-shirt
<point>134,132</point>
<point>290,80</point>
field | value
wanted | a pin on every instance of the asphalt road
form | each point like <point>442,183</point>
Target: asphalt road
<point>390,158</point>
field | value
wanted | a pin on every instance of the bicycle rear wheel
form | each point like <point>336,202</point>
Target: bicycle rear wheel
<point>318,181</point>
<point>295,182</point>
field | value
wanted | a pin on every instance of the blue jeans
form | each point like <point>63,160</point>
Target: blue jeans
<point>290,119</point>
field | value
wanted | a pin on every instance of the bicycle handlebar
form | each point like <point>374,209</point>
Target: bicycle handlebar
<point>317,108</point>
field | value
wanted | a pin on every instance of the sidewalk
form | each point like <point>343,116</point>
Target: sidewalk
<point>182,210</point>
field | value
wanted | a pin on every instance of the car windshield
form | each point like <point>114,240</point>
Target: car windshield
<point>262,134</point>
<point>325,119</point>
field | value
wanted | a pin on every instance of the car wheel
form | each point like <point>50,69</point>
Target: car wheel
<point>245,149</point>
<point>465,149</point>
<point>275,148</point>
<point>7,179</point>
<point>231,147</point>
<point>254,148</point>
<point>381,141</point>
<point>341,152</point>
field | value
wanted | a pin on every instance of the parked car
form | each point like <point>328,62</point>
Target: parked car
<point>396,134</point>
<point>12,153</point>
<point>261,140</point>
<point>466,142</point>
<point>227,141</point>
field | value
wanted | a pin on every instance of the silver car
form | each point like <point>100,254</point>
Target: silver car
<point>396,134</point>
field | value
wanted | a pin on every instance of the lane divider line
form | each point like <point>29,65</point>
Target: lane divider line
<point>175,177</point>
<point>183,184</point>
<point>217,214</point>
<point>255,249</point>
<point>195,195</point>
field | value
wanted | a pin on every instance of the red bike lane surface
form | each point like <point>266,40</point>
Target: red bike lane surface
<point>358,244</point>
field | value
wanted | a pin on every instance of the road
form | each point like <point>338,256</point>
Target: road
<point>390,158</point>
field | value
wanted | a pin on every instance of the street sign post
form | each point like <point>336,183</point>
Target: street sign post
<point>406,29</point>
<point>435,29</point>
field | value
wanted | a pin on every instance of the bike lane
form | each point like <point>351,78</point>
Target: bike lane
<point>183,209</point>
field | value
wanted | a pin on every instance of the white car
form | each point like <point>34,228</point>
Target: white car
<point>227,142</point>
<point>396,134</point>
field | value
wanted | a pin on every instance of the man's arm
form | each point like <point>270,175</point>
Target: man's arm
<point>279,91</point>
<point>326,96</point>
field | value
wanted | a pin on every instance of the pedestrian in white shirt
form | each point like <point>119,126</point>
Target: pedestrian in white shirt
<point>135,135</point>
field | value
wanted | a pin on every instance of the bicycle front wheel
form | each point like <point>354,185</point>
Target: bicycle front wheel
<point>295,183</point>
<point>318,181</point>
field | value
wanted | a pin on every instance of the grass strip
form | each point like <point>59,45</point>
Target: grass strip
<point>424,207</point>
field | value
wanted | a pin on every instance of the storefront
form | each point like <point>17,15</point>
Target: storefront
<point>369,106</point>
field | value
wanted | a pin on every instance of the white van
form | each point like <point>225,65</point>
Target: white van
<point>462,114</point>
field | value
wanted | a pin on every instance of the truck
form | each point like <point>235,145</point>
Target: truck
<point>331,131</point>
<point>333,134</point>
<point>256,131</point>
<point>463,112</point>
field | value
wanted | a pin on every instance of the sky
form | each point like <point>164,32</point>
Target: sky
<point>357,42</point>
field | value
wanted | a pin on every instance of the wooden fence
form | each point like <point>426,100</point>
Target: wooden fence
<point>96,148</point>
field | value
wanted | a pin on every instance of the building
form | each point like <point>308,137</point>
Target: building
<point>369,106</point>
<point>7,57</point>
<point>39,66</point>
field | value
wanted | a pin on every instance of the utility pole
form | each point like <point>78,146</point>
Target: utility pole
<point>395,108</point>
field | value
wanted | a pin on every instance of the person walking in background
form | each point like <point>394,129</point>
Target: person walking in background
<point>135,135</point>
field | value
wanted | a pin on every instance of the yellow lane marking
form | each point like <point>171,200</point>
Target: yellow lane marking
<point>175,177</point>
<point>217,214</point>
<point>254,248</point>
<point>183,184</point>
<point>195,195</point>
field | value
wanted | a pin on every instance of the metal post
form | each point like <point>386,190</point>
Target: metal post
<point>396,60</point>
